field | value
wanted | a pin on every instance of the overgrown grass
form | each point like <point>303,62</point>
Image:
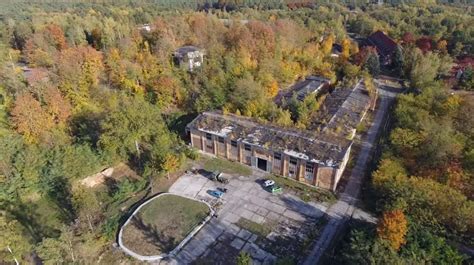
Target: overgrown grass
<point>229,167</point>
<point>261,230</point>
<point>161,224</point>
<point>305,192</point>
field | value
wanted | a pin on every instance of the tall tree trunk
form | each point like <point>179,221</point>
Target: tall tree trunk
<point>73,258</point>
<point>90,223</point>
<point>14,258</point>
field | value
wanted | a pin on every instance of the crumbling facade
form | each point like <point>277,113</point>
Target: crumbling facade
<point>189,57</point>
<point>316,157</point>
<point>298,155</point>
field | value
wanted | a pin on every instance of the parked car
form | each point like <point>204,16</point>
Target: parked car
<point>221,179</point>
<point>224,190</point>
<point>215,193</point>
<point>275,189</point>
<point>267,183</point>
<point>215,175</point>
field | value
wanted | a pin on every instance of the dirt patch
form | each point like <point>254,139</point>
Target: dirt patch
<point>116,173</point>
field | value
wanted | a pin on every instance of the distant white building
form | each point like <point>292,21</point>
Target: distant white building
<point>145,27</point>
<point>190,57</point>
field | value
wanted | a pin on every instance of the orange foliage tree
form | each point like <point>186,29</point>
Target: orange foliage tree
<point>57,106</point>
<point>393,227</point>
<point>29,118</point>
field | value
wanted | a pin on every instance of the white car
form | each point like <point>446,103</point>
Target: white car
<point>268,183</point>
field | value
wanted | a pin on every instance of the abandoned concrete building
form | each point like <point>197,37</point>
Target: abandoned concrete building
<point>189,57</point>
<point>343,110</point>
<point>315,157</point>
<point>300,90</point>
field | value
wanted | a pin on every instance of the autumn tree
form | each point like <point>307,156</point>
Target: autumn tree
<point>29,118</point>
<point>79,70</point>
<point>408,38</point>
<point>424,44</point>
<point>263,39</point>
<point>393,227</point>
<point>442,46</point>
<point>43,46</point>
<point>326,45</point>
<point>346,49</point>
<point>170,163</point>
<point>58,108</point>
<point>167,91</point>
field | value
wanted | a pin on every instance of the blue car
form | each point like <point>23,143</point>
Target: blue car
<point>215,193</point>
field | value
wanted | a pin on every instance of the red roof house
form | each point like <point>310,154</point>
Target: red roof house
<point>384,44</point>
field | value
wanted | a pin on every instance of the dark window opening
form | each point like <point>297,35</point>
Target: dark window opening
<point>208,136</point>
<point>277,156</point>
<point>233,143</point>
<point>221,139</point>
<point>293,161</point>
<point>247,147</point>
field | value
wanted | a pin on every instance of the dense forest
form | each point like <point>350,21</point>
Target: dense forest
<point>83,87</point>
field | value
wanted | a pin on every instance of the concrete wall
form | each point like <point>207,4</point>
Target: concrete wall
<point>325,178</point>
<point>341,168</point>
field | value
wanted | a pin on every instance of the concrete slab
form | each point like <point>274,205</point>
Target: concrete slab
<point>274,207</point>
<point>233,229</point>
<point>184,257</point>
<point>237,243</point>
<point>231,218</point>
<point>255,252</point>
<point>226,237</point>
<point>253,238</point>
<point>262,211</point>
<point>251,207</point>
<point>244,213</point>
<point>197,251</point>
<point>273,217</point>
<point>244,234</point>
<point>257,219</point>
<point>294,215</point>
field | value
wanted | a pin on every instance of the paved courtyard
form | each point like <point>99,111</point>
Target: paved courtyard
<point>282,225</point>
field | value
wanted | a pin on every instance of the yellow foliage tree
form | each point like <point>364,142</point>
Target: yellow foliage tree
<point>170,163</point>
<point>354,47</point>
<point>346,47</point>
<point>272,89</point>
<point>442,46</point>
<point>393,227</point>
<point>326,45</point>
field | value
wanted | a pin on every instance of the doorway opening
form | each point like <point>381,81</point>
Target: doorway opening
<point>262,164</point>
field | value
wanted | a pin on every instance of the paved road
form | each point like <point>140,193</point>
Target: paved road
<point>342,210</point>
